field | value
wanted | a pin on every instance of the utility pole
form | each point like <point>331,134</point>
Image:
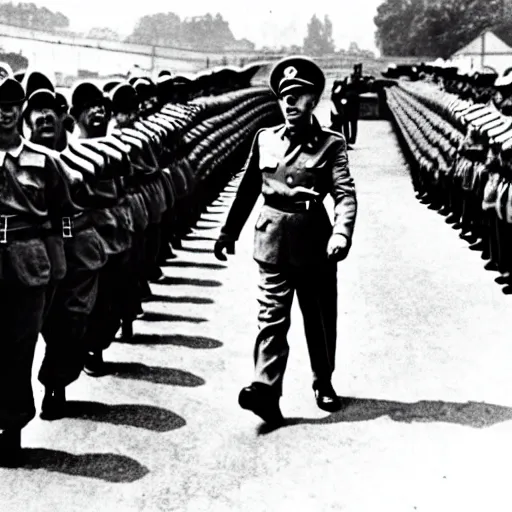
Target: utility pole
<point>153,59</point>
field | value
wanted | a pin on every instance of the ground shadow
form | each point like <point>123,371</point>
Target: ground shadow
<point>216,210</point>
<point>200,238</point>
<point>180,300</point>
<point>189,281</point>
<point>154,374</point>
<point>469,414</point>
<point>153,316</point>
<point>195,264</point>
<point>178,340</point>
<point>133,415</point>
<point>207,227</point>
<point>208,221</point>
<point>198,250</point>
<point>109,467</point>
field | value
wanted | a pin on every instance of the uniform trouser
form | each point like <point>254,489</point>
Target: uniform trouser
<point>152,244</point>
<point>65,325</point>
<point>317,296</point>
<point>350,129</point>
<point>21,315</point>
<point>117,293</point>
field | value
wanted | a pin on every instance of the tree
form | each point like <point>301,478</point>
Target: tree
<point>200,32</point>
<point>433,28</point>
<point>318,40</point>
<point>28,15</point>
<point>103,33</point>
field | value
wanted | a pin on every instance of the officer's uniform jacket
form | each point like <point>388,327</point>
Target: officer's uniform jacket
<point>290,228</point>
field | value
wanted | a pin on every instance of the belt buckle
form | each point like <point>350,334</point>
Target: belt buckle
<point>307,205</point>
<point>67,227</point>
<point>3,229</point>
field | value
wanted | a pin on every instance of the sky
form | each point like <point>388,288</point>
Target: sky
<point>264,22</point>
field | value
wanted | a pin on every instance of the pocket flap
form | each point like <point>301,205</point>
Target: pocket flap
<point>262,223</point>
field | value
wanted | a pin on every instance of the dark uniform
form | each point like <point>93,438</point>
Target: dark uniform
<point>71,299</point>
<point>32,192</point>
<point>294,172</point>
<point>353,88</point>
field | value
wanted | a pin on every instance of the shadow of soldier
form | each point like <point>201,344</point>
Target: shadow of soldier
<point>469,414</point>
<point>189,281</point>
<point>109,467</point>
<point>196,264</point>
<point>147,417</point>
<point>178,340</point>
<point>181,299</point>
<point>154,374</point>
<point>155,316</point>
<point>198,250</point>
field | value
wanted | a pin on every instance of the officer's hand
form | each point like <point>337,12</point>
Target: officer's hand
<point>337,248</point>
<point>219,247</point>
<point>304,194</point>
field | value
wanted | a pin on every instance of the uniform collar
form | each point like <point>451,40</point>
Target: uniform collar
<point>14,152</point>
<point>308,136</point>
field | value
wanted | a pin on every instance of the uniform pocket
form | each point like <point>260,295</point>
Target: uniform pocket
<point>87,250</point>
<point>28,263</point>
<point>262,223</point>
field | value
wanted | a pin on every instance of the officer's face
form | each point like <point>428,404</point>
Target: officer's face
<point>9,117</point>
<point>43,124</point>
<point>297,108</point>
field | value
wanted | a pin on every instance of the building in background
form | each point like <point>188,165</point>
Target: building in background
<point>488,52</point>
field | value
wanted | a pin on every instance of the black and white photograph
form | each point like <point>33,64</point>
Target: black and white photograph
<point>255,256</point>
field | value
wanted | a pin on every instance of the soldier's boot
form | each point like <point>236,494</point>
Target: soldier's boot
<point>10,448</point>
<point>262,401</point>
<point>53,406</point>
<point>94,364</point>
<point>326,397</point>
<point>505,278</point>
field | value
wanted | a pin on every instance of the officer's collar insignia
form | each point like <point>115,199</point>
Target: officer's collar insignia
<point>290,72</point>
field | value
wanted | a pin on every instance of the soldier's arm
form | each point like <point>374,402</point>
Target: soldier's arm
<point>246,196</point>
<point>58,192</point>
<point>343,191</point>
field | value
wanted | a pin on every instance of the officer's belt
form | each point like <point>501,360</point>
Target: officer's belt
<point>288,205</point>
<point>13,227</point>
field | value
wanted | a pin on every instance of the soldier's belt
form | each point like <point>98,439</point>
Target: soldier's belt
<point>75,224</point>
<point>289,205</point>
<point>13,227</point>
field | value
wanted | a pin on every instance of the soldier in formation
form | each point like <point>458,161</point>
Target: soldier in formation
<point>457,131</point>
<point>93,196</point>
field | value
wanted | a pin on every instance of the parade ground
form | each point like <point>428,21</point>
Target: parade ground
<point>423,360</point>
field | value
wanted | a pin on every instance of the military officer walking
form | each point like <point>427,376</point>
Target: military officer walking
<point>294,166</point>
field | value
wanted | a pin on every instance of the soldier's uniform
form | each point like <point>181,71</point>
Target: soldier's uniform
<point>353,87</point>
<point>32,192</point>
<point>70,300</point>
<point>113,221</point>
<point>292,233</point>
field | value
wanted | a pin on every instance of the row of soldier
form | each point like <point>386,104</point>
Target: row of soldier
<point>478,87</point>
<point>461,153</point>
<point>90,207</point>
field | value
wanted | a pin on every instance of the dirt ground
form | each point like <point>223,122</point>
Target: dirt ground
<point>424,354</point>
